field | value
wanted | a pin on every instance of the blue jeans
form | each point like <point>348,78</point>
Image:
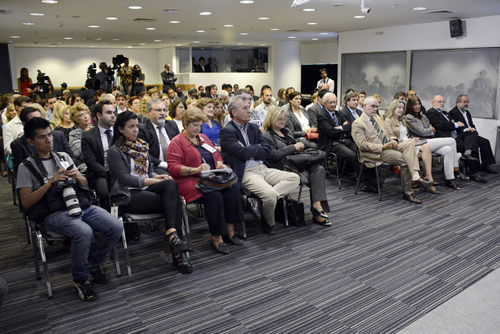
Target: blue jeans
<point>80,230</point>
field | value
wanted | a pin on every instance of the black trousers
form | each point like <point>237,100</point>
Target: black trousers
<point>161,197</point>
<point>470,140</point>
<point>349,152</point>
<point>221,208</point>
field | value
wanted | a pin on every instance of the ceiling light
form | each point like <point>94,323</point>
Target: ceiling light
<point>15,36</point>
<point>239,43</point>
<point>115,39</point>
<point>246,2</point>
<point>157,40</point>
<point>129,47</point>
<point>419,8</point>
<point>92,46</point>
<point>200,30</point>
<point>150,29</point>
<point>134,7</point>
<point>178,44</point>
<point>228,25</point>
<point>93,26</point>
<point>297,3</point>
<point>68,38</point>
<point>142,44</point>
<point>205,13</point>
<point>292,37</point>
<point>323,33</point>
<point>263,18</point>
<point>312,23</point>
<point>174,21</point>
<point>243,33</point>
<point>196,42</point>
<point>28,23</point>
<point>262,44</point>
<point>49,1</point>
<point>309,10</point>
<point>274,29</point>
<point>37,14</point>
<point>359,17</point>
<point>111,18</point>
<point>314,39</point>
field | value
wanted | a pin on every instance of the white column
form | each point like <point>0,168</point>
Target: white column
<point>286,65</point>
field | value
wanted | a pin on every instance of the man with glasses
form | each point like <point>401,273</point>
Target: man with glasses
<point>158,132</point>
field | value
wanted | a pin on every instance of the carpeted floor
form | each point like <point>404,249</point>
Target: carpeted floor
<point>381,266</point>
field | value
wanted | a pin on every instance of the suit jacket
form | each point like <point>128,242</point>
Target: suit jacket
<point>328,134</point>
<point>457,116</point>
<point>313,114</point>
<point>350,118</point>
<point>207,68</point>
<point>93,152</point>
<point>279,149</point>
<point>236,155</point>
<point>443,126</point>
<point>147,132</point>
<point>293,122</point>
<point>366,138</point>
<point>21,149</point>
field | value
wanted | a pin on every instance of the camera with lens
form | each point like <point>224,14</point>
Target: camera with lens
<point>117,61</point>
<point>42,82</point>
<point>64,86</point>
<point>136,73</point>
<point>91,71</point>
<point>69,195</point>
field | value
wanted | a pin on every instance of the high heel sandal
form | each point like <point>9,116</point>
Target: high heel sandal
<point>182,263</point>
<point>317,213</point>
<point>325,222</point>
<point>460,176</point>
<point>451,184</point>
<point>432,190</point>
<point>176,243</point>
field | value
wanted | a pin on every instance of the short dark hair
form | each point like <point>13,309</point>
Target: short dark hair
<point>322,93</point>
<point>265,87</point>
<point>98,106</point>
<point>50,96</point>
<point>250,87</point>
<point>241,91</point>
<point>18,101</point>
<point>359,92</point>
<point>398,94</point>
<point>323,69</point>
<point>201,58</point>
<point>36,123</point>
<point>121,121</point>
<point>349,96</point>
<point>23,115</point>
<point>174,105</point>
<point>192,91</point>
<point>459,98</point>
<point>291,95</point>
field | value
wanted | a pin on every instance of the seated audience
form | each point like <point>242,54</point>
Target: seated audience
<point>350,110</point>
<point>10,113</point>
<point>75,99</point>
<point>211,128</point>
<point>246,151</point>
<point>66,95</point>
<point>14,128</point>
<point>297,120</point>
<point>188,155</point>
<point>143,115</point>
<point>130,164</point>
<point>282,143</point>
<point>80,115</point>
<point>315,110</point>
<point>191,102</point>
<point>314,99</point>
<point>285,101</point>
<point>121,103</point>
<point>65,124</point>
<point>176,110</point>
<point>219,111</point>
<point>80,227</point>
<point>55,120</point>
<point>154,93</point>
<point>281,94</point>
<point>260,111</point>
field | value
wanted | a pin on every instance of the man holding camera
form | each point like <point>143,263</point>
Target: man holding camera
<point>125,73</point>
<point>52,189</point>
<point>107,82</point>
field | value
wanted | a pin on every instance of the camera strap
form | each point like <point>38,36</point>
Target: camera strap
<point>41,167</point>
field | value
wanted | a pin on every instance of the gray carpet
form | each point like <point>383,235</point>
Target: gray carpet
<point>381,266</point>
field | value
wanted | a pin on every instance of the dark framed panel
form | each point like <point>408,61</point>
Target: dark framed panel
<point>310,76</point>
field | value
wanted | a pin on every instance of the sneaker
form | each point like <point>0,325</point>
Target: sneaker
<point>85,290</point>
<point>98,275</point>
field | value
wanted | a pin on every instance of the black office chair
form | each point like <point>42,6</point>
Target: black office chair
<point>380,171</point>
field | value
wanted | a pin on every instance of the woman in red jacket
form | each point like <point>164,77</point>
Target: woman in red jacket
<point>190,153</point>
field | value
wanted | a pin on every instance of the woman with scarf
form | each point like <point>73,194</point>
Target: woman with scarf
<point>130,164</point>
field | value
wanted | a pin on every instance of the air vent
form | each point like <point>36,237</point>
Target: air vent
<point>5,11</point>
<point>213,43</point>
<point>171,11</point>
<point>92,39</point>
<point>140,19</point>
<point>440,11</point>
<point>294,30</point>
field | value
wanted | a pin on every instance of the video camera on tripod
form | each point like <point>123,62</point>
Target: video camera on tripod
<point>43,84</point>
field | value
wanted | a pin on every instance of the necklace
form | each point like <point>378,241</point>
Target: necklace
<point>195,142</point>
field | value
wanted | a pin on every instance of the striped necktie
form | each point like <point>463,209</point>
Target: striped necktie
<point>381,134</point>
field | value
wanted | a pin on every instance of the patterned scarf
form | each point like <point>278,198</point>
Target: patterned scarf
<point>138,151</point>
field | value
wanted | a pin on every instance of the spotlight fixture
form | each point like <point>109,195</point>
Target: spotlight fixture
<point>297,3</point>
<point>364,10</point>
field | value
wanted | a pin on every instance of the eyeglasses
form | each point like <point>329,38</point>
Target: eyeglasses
<point>159,110</point>
<point>83,114</point>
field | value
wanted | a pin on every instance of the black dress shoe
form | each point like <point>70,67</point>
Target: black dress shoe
<point>489,169</point>
<point>220,248</point>
<point>451,184</point>
<point>412,198</point>
<point>478,178</point>
<point>254,208</point>
<point>325,222</point>
<point>182,263</point>
<point>369,189</point>
<point>268,229</point>
<point>467,157</point>
<point>233,241</point>
<point>321,213</point>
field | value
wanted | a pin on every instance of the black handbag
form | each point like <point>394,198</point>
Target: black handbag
<point>302,161</point>
<point>215,180</point>
<point>119,194</point>
<point>294,210</point>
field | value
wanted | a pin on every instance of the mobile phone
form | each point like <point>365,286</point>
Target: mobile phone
<point>70,167</point>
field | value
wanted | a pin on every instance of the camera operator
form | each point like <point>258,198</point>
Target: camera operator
<point>52,189</point>
<point>43,85</point>
<point>168,78</point>
<point>125,73</point>
<point>137,80</point>
<point>106,78</point>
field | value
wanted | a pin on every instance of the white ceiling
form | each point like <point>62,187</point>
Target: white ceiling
<point>71,18</point>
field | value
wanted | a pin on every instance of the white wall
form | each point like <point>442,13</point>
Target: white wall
<point>286,65</point>
<point>479,32</point>
<point>319,53</point>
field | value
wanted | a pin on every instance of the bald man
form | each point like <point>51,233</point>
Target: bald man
<point>374,144</point>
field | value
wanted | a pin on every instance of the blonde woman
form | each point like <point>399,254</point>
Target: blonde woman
<point>143,110</point>
<point>65,124</point>
<point>80,115</point>
<point>54,122</point>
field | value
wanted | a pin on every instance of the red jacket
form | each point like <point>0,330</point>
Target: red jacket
<point>181,152</point>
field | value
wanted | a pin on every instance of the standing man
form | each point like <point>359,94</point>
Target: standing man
<point>125,73</point>
<point>168,77</point>
<point>211,64</point>
<point>201,67</point>
<point>101,76</point>
<point>325,80</point>
<point>462,114</point>
<point>246,150</point>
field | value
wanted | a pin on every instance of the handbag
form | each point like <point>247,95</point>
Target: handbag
<point>302,161</point>
<point>294,210</point>
<point>216,179</point>
<point>119,194</point>
<point>312,136</point>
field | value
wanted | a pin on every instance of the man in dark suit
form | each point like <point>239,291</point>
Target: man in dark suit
<point>158,133</point>
<point>467,141</point>
<point>316,109</point>
<point>351,111</point>
<point>21,149</point>
<point>202,67</point>
<point>245,150</point>
<point>462,114</point>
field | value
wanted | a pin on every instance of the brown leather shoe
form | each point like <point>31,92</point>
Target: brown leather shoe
<point>412,198</point>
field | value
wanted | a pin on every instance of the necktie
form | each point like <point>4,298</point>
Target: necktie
<point>109,135</point>
<point>354,113</point>
<point>335,119</point>
<point>381,134</point>
<point>454,132</point>
<point>163,143</point>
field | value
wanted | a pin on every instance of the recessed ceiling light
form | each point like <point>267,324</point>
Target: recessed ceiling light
<point>309,10</point>
<point>292,37</point>
<point>103,43</point>
<point>274,29</point>
<point>196,42</point>
<point>93,26</point>
<point>92,46</point>
<point>134,7</point>
<point>239,43</point>
<point>263,18</point>
<point>323,33</point>
<point>246,2</point>
<point>115,39</point>
<point>157,40</point>
<point>174,21</point>
<point>228,25</point>
<point>142,44</point>
<point>419,8</point>
<point>68,37</point>
<point>151,29</point>
<point>314,39</point>
<point>28,23</point>
<point>15,36</point>
<point>37,14</point>
<point>243,33</point>
<point>178,44</point>
<point>200,30</point>
<point>111,18</point>
<point>49,1</point>
<point>129,47</point>
<point>312,23</point>
<point>205,13</point>
<point>359,17</point>
<point>262,45</point>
